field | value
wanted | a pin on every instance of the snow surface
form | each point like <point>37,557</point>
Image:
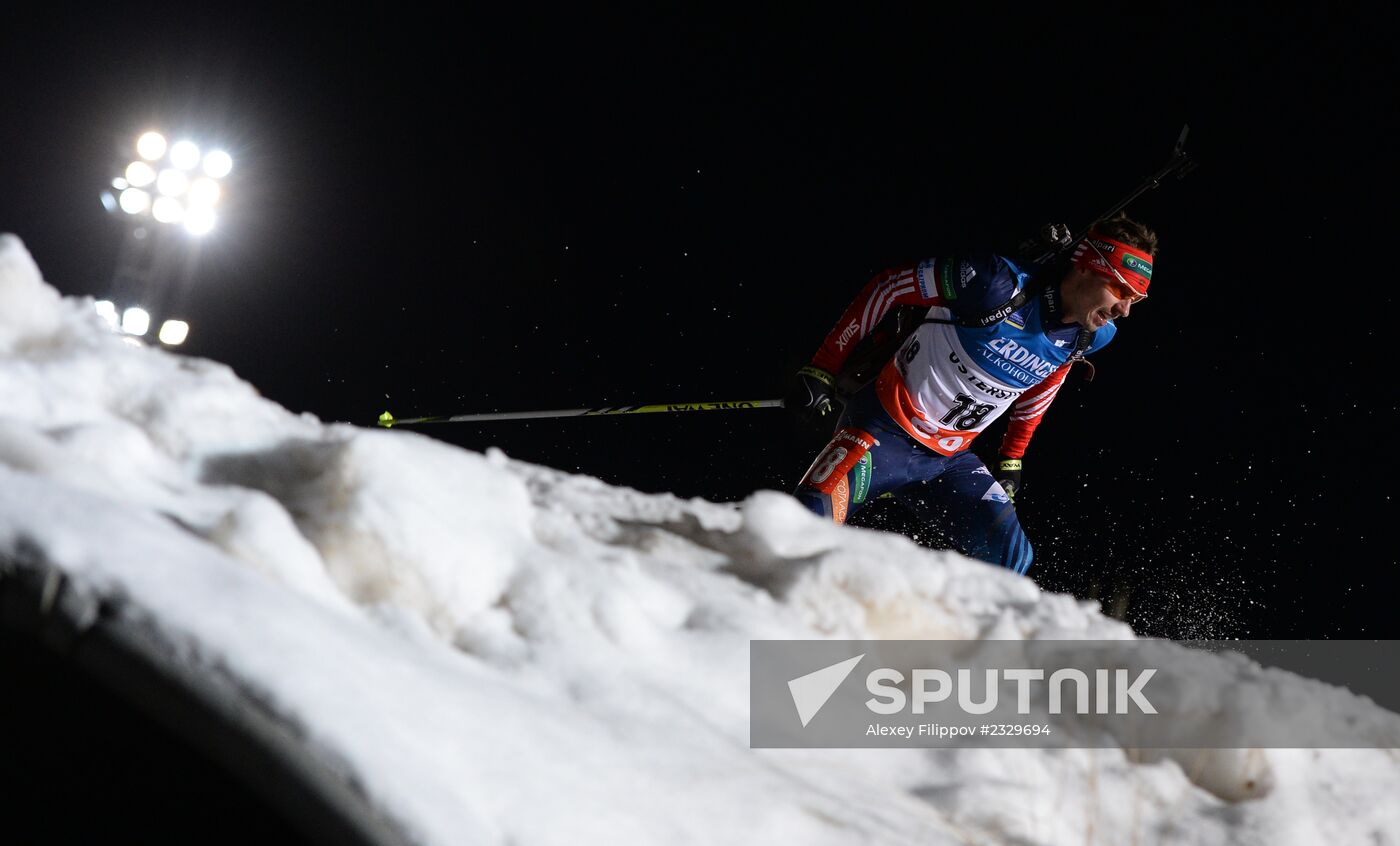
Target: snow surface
<point>505,653</point>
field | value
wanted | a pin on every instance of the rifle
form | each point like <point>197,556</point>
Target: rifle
<point>872,352</point>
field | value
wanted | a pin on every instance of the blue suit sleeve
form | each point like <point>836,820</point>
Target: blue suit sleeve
<point>977,284</point>
<point>1102,337</point>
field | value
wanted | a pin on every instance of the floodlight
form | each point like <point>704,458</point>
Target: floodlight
<point>168,210</point>
<point>109,202</point>
<point>120,184</point>
<point>199,220</point>
<point>134,201</point>
<point>107,310</point>
<point>140,174</point>
<point>204,192</point>
<point>135,321</point>
<point>172,183</point>
<point>174,332</point>
<point>184,155</point>
<point>151,146</point>
<point>218,164</point>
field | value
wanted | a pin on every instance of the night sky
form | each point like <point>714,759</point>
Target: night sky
<point>454,214</point>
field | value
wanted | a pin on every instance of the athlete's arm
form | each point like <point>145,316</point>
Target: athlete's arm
<point>1028,410</point>
<point>900,286</point>
<point>1031,406</point>
<point>973,285</point>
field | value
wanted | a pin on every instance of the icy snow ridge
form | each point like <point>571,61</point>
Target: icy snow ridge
<point>504,653</point>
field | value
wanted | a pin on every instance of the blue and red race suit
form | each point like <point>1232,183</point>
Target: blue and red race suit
<point>908,434</point>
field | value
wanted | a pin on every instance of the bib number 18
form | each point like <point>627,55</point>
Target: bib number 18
<point>966,414</point>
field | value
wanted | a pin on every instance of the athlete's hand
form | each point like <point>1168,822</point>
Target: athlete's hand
<point>812,394</point>
<point>1009,475</point>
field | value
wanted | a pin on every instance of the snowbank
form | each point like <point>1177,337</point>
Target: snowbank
<point>504,653</point>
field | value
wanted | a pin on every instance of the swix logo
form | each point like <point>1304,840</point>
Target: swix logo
<point>847,334</point>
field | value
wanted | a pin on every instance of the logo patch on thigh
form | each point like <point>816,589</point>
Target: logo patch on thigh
<point>840,500</point>
<point>861,475</point>
<point>846,449</point>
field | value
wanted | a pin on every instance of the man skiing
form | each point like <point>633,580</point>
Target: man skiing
<point>992,336</point>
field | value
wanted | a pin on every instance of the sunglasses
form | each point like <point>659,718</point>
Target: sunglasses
<point>1118,285</point>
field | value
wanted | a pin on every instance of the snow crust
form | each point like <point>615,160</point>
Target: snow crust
<point>505,653</point>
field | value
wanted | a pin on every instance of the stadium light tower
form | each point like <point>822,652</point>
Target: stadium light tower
<point>167,198</point>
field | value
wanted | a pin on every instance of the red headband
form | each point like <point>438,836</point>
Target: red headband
<point>1134,265</point>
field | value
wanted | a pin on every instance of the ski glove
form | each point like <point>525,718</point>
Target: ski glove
<point>811,394</point>
<point>1009,475</point>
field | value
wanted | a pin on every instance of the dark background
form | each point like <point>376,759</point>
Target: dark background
<point>462,213</point>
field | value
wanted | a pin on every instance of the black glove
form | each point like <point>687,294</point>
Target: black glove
<point>1009,475</point>
<point>811,395</point>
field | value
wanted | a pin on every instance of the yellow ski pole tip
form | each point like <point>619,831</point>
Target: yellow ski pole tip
<point>386,420</point>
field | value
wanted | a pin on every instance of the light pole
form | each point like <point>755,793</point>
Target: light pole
<point>166,198</point>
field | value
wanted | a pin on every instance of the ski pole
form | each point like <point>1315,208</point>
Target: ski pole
<point>388,420</point>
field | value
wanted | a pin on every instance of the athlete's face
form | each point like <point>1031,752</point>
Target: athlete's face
<point>1092,301</point>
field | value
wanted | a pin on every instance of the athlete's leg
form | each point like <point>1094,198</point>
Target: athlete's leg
<point>844,475</point>
<point>967,504</point>
<point>870,456</point>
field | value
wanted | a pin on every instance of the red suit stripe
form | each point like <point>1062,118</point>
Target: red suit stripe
<point>885,291</point>
<point>1027,411</point>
